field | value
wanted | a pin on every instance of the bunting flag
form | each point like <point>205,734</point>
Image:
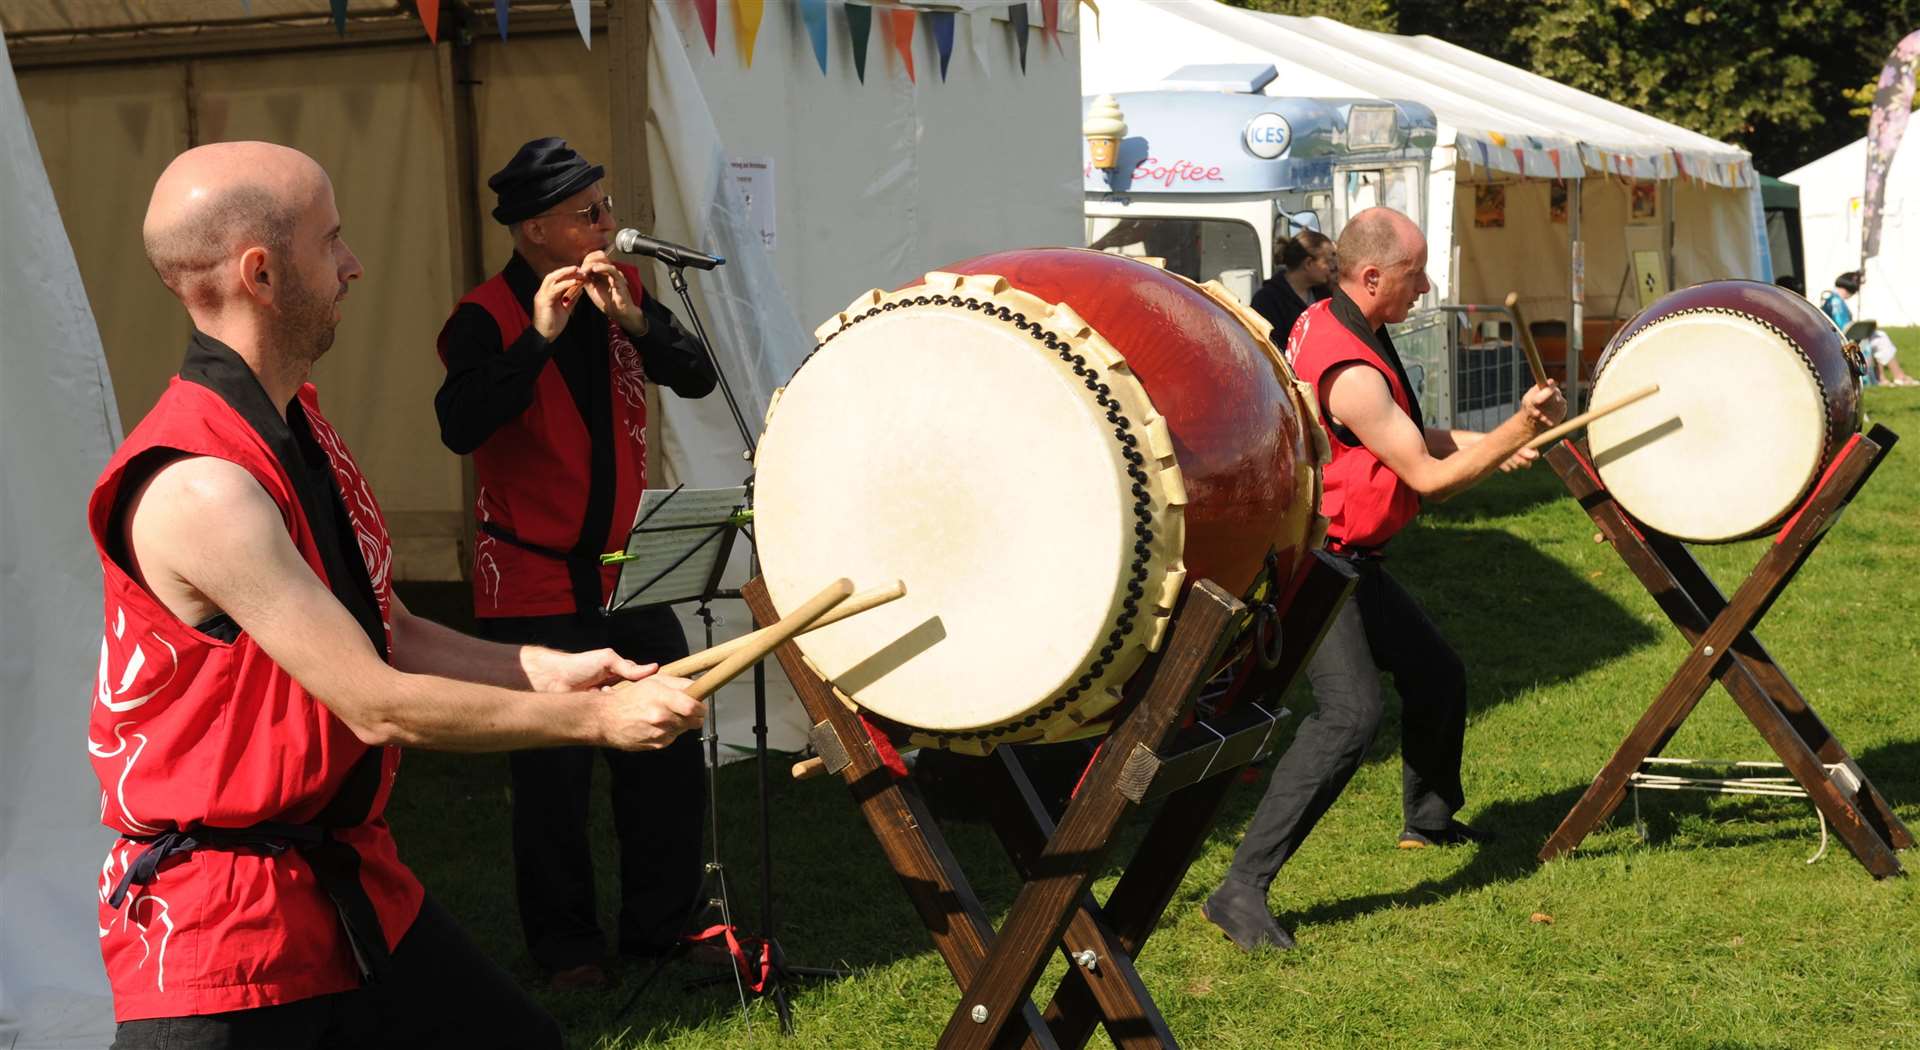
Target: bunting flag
<point>1017,15</point>
<point>979,24</point>
<point>814,14</point>
<point>1486,161</point>
<point>859,27</point>
<point>942,22</point>
<point>430,18</point>
<point>901,19</point>
<point>583,20</point>
<point>1050,19</point>
<point>746,20</point>
<point>709,18</point>
<point>339,16</point>
<point>1554,156</point>
<point>1095,8</point>
<point>500,17</point>
<point>1520,158</point>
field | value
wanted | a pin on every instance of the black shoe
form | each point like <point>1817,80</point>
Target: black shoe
<point>1454,834</point>
<point>1241,913</point>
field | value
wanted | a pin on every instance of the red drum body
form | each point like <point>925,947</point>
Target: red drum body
<point>1758,394</point>
<point>1046,446</point>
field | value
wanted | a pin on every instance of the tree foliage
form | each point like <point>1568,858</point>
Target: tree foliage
<point>1773,77</point>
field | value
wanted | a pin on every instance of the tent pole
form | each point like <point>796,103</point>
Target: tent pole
<point>462,161</point>
<point>1576,292</point>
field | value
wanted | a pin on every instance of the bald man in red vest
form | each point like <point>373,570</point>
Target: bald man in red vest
<point>258,675</point>
<point>548,365</point>
<point>1385,462</point>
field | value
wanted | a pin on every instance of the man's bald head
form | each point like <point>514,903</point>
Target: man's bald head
<point>1383,262</point>
<point>214,202</point>
<point>1379,237</point>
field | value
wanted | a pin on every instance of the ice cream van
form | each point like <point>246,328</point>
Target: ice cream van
<point>1208,174</point>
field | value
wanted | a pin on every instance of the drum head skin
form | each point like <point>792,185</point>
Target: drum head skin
<point>1755,399</point>
<point>996,453</point>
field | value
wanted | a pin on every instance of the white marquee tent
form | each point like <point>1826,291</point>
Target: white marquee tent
<point>1497,124</point>
<point>1831,189</point>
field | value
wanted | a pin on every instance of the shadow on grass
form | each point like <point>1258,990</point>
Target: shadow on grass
<point>1503,496</point>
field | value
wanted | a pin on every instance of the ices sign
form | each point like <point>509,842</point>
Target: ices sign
<point>1268,136</point>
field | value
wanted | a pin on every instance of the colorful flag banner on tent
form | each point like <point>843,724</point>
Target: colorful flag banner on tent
<point>746,21</point>
<point>430,18</point>
<point>901,19</point>
<point>1554,156</point>
<point>859,27</point>
<point>942,22</point>
<point>979,24</point>
<point>1017,15</point>
<point>583,20</point>
<point>814,14</point>
<point>339,16</point>
<point>1050,18</point>
<point>1095,8</point>
<point>1892,99</point>
<point>500,16</point>
<point>709,19</point>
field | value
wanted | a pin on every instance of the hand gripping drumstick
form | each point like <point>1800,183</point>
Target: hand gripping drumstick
<point>1548,437</point>
<point>708,658</point>
<point>763,642</point>
<point>1524,336</point>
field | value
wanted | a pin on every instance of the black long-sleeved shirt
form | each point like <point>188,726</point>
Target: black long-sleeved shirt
<point>487,387</point>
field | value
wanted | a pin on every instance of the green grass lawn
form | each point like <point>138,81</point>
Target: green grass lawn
<point>1711,933</point>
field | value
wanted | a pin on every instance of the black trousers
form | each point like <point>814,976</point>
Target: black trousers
<point>658,802</point>
<point>442,993</point>
<point>1381,629</point>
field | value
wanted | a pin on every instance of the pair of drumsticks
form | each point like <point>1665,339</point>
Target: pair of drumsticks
<point>1524,336</point>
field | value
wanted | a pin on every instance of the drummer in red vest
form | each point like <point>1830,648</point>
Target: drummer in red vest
<point>258,675</point>
<point>1385,462</point>
<point>547,369</point>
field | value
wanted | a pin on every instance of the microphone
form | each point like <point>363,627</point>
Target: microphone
<point>633,242</point>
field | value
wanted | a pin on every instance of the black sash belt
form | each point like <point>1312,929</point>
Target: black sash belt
<point>583,570</point>
<point>335,864</point>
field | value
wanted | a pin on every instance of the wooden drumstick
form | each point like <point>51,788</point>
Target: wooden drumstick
<point>1548,437</point>
<point>766,641</point>
<point>1524,336</point>
<point>710,658</point>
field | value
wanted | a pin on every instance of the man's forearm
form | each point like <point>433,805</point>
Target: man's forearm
<point>442,714</point>
<point>1478,458</point>
<point>421,646</point>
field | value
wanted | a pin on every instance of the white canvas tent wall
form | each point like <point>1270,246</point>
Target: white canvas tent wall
<point>1497,123</point>
<point>57,428</point>
<point>874,183</point>
<point>1831,191</point>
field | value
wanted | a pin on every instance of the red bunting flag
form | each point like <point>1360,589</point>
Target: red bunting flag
<point>1554,156</point>
<point>902,21</point>
<point>709,16</point>
<point>430,18</point>
<point>1050,18</point>
<point>1520,158</point>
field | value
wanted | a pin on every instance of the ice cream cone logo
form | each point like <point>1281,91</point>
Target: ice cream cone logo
<point>1104,128</point>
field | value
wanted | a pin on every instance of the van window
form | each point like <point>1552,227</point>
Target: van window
<point>1202,250</point>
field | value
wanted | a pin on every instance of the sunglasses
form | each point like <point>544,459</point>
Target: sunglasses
<point>591,213</point>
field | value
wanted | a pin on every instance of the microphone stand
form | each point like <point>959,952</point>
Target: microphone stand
<point>778,969</point>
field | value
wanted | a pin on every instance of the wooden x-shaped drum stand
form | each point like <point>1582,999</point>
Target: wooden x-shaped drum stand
<point>1151,754</point>
<point>1725,650</point>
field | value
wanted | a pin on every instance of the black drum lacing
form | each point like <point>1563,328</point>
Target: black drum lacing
<point>1123,432</point>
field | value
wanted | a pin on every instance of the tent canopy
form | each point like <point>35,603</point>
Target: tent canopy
<point>1497,115</point>
<point>1831,198</point>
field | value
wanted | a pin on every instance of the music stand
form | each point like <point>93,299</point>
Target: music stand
<point>677,551</point>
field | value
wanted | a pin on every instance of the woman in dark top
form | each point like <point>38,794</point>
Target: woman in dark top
<point>1307,269</point>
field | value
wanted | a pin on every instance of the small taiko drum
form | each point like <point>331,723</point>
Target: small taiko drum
<point>1046,446</point>
<point>1758,394</point>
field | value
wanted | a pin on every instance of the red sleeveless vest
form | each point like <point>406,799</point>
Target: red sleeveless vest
<point>534,473</point>
<point>188,730</point>
<point>1366,503</point>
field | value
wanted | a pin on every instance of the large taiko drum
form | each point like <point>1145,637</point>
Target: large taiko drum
<point>1758,394</point>
<point>1046,446</point>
